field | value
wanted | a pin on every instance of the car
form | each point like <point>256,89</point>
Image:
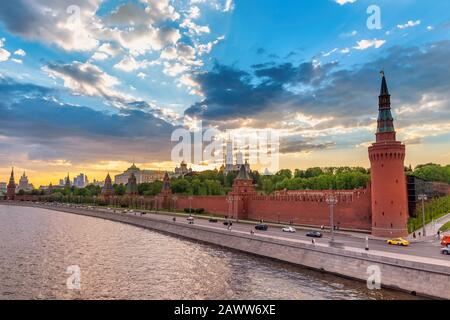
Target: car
<point>288,229</point>
<point>314,234</point>
<point>398,242</point>
<point>190,220</point>
<point>262,227</point>
<point>227,223</point>
<point>445,251</point>
<point>212,220</point>
<point>445,241</point>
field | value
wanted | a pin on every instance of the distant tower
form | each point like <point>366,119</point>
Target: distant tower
<point>229,163</point>
<point>132,187</point>
<point>166,185</point>
<point>67,184</point>
<point>387,156</point>
<point>11,188</point>
<point>108,190</point>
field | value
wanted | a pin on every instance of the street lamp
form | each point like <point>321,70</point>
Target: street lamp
<point>190,205</point>
<point>423,198</point>
<point>174,199</point>
<point>331,200</point>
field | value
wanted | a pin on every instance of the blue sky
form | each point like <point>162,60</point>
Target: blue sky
<point>88,85</point>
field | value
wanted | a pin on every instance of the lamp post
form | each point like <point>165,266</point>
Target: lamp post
<point>174,199</point>
<point>190,205</point>
<point>423,198</point>
<point>331,200</point>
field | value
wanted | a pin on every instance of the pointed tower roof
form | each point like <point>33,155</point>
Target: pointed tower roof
<point>384,88</point>
<point>166,182</point>
<point>386,129</point>
<point>11,178</point>
<point>243,174</point>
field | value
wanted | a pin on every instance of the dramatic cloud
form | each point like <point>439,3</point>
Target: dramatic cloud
<point>69,24</point>
<point>318,100</point>
<point>86,79</point>
<point>54,130</point>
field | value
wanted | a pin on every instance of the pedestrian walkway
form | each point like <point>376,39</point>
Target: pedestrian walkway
<point>431,230</point>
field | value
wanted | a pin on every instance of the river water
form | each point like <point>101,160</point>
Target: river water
<point>118,261</point>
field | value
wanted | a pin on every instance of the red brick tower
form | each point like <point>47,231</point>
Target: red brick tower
<point>387,156</point>
<point>237,198</point>
<point>11,188</point>
<point>108,190</point>
<point>164,198</point>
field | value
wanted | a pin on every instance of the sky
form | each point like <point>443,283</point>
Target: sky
<point>92,85</point>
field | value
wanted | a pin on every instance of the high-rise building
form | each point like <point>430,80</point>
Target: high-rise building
<point>387,156</point>
<point>3,188</point>
<point>80,181</point>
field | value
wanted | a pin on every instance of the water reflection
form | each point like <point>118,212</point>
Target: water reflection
<point>118,261</point>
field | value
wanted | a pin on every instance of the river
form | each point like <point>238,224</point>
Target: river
<point>118,261</point>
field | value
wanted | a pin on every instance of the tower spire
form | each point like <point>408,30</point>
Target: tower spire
<point>384,88</point>
<point>386,130</point>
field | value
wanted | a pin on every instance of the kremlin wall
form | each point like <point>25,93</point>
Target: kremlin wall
<point>381,208</point>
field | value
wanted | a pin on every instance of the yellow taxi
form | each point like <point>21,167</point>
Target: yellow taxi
<point>398,242</point>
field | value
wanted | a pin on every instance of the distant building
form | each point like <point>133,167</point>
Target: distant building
<point>182,170</point>
<point>3,188</point>
<point>142,176</point>
<point>417,186</point>
<point>229,164</point>
<point>80,181</point>
<point>24,184</point>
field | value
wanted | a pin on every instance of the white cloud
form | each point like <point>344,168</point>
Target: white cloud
<point>20,52</point>
<point>129,63</point>
<point>19,61</point>
<point>409,24</point>
<point>366,44</point>
<point>193,28</point>
<point>329,53</point>
<point>342,2</point>
<point>142,75</point>
<point>229,6</point>
<point>4,54</point>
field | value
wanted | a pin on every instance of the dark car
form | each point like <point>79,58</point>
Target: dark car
<point>445,251</point>
<point>227,223</point>
<point>314,234</point>
<point>213,220</point>
<point>262,227</point>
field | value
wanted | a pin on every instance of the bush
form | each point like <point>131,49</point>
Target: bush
<point>188,210</point>
<point>200,211</point>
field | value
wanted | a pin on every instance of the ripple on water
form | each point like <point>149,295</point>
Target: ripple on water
<point>119,261</point>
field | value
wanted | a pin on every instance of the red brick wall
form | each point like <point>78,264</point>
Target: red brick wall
<point>212,204</point>
<point>352,211</point>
